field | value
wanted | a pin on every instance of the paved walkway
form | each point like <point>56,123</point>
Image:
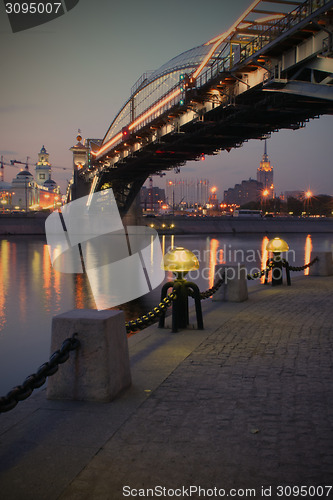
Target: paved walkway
<point>244,404</point>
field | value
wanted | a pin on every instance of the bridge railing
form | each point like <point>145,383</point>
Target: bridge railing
<point>283,25</point>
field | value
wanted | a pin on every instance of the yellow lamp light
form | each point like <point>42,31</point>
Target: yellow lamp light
<point>277,245</point>
<point>180,261</point>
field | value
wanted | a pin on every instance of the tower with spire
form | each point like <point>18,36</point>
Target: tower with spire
<point>43,167</point>
<point>265,175</point>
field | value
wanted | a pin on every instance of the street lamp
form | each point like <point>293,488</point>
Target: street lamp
<point>265,193</point>
<point>307,197</point>
<point>180,261</point>
<point>276,246</point>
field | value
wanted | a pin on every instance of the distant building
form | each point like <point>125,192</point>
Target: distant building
<point>151,198</point>
<point>189,192</point>
<point>25,191</point>
<point>243,193</point>
<point>298,195</point>
<point>265,175</point>
<point>29,193</point>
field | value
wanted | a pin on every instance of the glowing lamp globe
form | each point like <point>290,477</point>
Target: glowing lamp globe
<point>277,245</point>
<point>180,261</point>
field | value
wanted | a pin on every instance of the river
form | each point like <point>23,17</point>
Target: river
<point>32,292</point>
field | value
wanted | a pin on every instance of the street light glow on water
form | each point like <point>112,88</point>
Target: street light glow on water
<point>32,292</point>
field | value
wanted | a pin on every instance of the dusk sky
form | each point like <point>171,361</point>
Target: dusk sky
<point>77,71</point>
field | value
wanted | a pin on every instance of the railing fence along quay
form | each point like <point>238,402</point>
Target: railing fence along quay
<point>85,341</point>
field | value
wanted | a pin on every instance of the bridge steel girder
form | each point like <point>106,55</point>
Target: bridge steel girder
<point>210,123</point>
<point>260,114</point>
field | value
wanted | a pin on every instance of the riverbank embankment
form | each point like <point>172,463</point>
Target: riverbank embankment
<point>34,224</point>
<point>239,225</point>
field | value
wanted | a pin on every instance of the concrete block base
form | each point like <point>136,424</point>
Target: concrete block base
<point>324,266</point>
<point>234,288</point>
<point>99,369</point>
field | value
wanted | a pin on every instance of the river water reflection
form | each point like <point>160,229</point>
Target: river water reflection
<point>31,292</point>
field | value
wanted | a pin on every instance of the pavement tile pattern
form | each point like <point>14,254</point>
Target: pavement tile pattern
<point>251,406</point>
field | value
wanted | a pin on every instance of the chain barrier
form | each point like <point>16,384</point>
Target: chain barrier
<point>148,319</point>
<point>260,274</point>
<point>300,268</point>
<point>36,380</point>
<point>208,293</point>
<point>284,264</point>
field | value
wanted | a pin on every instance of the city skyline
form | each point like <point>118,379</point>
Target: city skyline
<point>67,75</point>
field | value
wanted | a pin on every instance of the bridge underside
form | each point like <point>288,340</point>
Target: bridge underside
<point>253,115</point>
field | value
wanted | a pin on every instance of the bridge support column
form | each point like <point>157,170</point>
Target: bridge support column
<point>99,369</point>
<point>79,187</point>
<point>133,217</point>
<point>234,288</point>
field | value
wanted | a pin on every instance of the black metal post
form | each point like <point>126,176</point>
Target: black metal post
<point>277,278</point>
<point>180,315</point>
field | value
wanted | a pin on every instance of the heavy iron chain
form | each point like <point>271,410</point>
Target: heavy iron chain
<point>260,274</point>
<point>148,319</point>
<point>300,268</point>
<point>21,392</point>
<point>208,293</point>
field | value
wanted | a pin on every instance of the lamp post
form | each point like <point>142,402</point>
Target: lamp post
<point>277,245</point>
<point>180,261</point>
<point>265,193</point>
<point>307,197</point>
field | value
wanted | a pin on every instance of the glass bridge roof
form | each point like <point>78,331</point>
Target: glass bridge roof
<point>189,59</point>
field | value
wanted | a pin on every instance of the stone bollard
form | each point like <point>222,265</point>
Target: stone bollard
<point>99,369</point>
<point>234,288</point>
<point>323,267</point>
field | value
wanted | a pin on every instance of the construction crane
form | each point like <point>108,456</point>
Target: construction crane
<point>2,169</point>
<point>27,164</point>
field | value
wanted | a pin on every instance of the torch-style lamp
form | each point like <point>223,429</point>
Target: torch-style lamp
<point>277,246</point>
<point>180,261</point>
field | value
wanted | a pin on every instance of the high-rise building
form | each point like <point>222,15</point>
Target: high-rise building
<point>243,193</point>
<point>265,175</point>
<point>187,191</point>
<point>152,198</point>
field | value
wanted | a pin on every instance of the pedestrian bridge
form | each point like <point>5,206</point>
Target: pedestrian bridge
<point>272,69</point>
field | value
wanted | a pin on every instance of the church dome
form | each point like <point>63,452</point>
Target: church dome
<point>24,174</point>
<point>50,185</point>
<point>43,150</point>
